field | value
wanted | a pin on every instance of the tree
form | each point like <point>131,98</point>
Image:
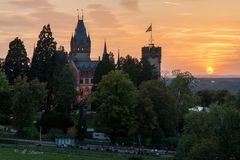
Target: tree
<point>208,97</point>
<point>81,125</point>
<point>65,91</point>
<point>211,134</point>
<point>117,97</point>
<point>132,67</point>
<point>103,68</point>
<point>145,119</point>
<point>163,106</point>
<point>181,87</point>
<point>147,72</point>
<point>17,62</point>
<point>27,100</point>
<point>52,120</point>
<point>42,67</point>
<point>6,100</point>
<point>137,71</point>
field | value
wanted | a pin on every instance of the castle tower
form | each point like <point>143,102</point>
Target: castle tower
<point>153,54</point>
<point>80,43</point>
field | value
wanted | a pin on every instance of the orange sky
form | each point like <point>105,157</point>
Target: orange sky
<point>194,34</point>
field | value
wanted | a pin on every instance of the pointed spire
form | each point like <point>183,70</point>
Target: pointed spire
<point>78,14</point>
<point>105,48</point>
<point>82,14</point>
<point>105,53</point>
<point>118,60</point>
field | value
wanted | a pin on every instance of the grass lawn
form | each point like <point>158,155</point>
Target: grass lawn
<point>12,152</point>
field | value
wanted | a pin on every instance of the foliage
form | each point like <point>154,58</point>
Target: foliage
<point>81,125</point>
<point>208,97</point>
<point>212,134</point>
<point>27,100</point>
<point>138,71</point>
<point>117,97</point>
<point>30,132</point>
<point>103,68</point>
<point>42,67</point>
<point>145,119</point>
<point>132,67</point>
<point>57,120</point>
<point>5,100</point>
<point>17,62</point>
<point>64,91</point>
<point>147,72</point>
<point>181,87</point>
<point>163,106</point>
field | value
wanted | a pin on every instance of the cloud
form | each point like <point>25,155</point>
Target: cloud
<point>132,5</point>
<point>32,3</point>
<point>102,16</point>
<point>171,3</point>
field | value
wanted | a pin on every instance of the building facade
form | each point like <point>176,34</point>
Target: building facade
<point>80,63</point>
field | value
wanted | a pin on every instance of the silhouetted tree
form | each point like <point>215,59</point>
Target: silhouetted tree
<point>17,62</point>
<point>42,66</point>
<point>103,68</point>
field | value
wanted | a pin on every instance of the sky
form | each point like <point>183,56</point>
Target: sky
<point>194,34</point>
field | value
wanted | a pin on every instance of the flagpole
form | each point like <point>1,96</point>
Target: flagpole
<point>151,36</point>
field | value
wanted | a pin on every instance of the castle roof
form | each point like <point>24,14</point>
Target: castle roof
<point>80,35</point>
<point>86,64</point>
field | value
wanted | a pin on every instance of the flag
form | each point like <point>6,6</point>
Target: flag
<point>149,28</point>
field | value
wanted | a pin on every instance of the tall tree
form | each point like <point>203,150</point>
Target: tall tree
<point>17,62</point>
<point>42,67</point>
<point>117,97</point>
<point>163,106</point>
<point>181,87</point>
<point>145,119</point>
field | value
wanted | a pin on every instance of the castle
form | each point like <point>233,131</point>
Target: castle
<point>80,63</point>
<point>83,68</point>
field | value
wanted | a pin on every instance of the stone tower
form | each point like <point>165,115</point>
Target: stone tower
<point>153,54</point>
<point>80,43</point>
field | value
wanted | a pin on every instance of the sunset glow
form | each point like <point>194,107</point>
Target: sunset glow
<point>210,70</point>
<point>193,34</point>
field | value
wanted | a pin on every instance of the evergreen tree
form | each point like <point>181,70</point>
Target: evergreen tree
<point>17,62</point>
<point>42,67</point>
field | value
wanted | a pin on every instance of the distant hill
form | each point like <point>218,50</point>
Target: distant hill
<point>230,84</point>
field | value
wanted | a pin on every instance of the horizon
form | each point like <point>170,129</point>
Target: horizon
<point>202,37</point>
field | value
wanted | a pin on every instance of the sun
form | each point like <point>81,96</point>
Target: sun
<point>210,70</point>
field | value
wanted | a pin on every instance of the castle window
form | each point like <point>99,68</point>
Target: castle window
<point>81,81</point>
<point>86,81</point>
<point>92,81</point>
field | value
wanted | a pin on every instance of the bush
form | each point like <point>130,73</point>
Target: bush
<point>30,132</point>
